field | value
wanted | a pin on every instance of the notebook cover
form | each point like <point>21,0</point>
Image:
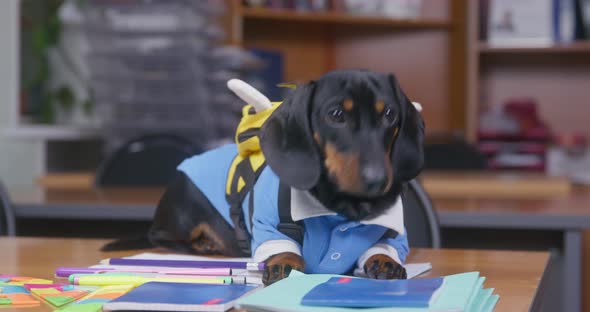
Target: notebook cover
<point>476,290</point>
<point>285,295</point>
<point>180,297</point>
<point>480,300</point>
<point>370,293</point>
<point>490,303</point>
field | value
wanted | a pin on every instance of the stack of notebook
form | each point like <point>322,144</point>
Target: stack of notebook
<point>320,292</point>
<point>189,283</point>
<point>168,282</point>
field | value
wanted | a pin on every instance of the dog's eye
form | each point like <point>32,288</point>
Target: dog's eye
<point>388,118</point>
<point>336,117</point>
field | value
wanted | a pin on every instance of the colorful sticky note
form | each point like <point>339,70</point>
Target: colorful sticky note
<point>60,295</point>
<point>85,307</point>
<point>16,295</point>
<point>94,301</point>
<point>21,280</point>
<point>18,299</point>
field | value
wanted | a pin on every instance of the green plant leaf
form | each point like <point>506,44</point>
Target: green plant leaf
<point>65,98</point>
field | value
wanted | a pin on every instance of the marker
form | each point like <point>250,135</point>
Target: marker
<point>108,280</point>
<point>66,271</point>
<point>232,279</point>
<point>250,266</point>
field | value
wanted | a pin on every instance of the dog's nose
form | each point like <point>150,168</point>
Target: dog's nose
<point>373,178</point>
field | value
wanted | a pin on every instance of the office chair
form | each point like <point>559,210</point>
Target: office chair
<point>420,218</point>
<point>453,153</point>
<point>7,217</point>
<point>145,161</point>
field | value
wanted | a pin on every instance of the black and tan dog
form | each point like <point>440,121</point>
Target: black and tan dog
<point>343,145</point>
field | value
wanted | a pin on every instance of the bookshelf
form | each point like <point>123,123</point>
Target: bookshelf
<point>313,43</point>
<point>555,76</point>
<point>574,47</point>
<point>341,19</point>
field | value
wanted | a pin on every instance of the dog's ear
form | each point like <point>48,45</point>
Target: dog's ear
<point>287,142</point>
<point>407,156</point>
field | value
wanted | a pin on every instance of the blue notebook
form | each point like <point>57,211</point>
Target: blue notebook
<point>369,293</point>
<point>286,295</point>
<point>157,296</point>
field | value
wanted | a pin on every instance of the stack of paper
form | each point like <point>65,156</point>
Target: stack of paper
<point>121,273</point>
<point>252,277</point>
<point>460,292</point>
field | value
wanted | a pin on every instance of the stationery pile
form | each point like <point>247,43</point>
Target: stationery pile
<point>14,293</point>
<point>163,282</point>
<point>322,292</point>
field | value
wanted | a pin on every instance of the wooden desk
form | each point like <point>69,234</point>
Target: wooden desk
<point>568,215</point>
<point>516,276</point>
<point>565,210</point>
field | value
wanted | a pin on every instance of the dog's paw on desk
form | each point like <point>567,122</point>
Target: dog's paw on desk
<point>384,267</point>
<point>280,265</point>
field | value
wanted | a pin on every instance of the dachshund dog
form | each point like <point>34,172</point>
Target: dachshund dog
<point>343,145</point>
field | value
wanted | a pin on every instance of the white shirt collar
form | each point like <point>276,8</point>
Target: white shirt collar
<point>304,205</point>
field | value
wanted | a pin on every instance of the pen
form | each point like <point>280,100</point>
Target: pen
<point>66,271</point>
<point>107,280</point>
<point>251,266</point>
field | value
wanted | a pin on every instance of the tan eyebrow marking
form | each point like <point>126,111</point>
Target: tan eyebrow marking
<point>379,106</point>
<point>348,104</point>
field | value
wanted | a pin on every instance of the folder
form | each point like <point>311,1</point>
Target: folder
<point>460,292</point>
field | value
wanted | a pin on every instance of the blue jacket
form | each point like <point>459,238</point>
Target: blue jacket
<point>332,244</point>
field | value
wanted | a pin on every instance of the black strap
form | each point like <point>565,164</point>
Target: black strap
<point>244,171</point>
<point>287,226</point>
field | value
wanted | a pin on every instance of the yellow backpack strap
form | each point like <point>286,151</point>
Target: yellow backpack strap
<point>240,184</point>
<point>245,169</point>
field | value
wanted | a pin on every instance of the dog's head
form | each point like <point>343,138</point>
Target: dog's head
<point>355,130</point>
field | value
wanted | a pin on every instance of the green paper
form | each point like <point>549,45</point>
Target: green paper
<point>478,288</point>
<point>5,301</point>
<point>490,303</point>
<point>480,300</point>
<point>285,295</point>
<point>82,307</point>
<point>58,301</point>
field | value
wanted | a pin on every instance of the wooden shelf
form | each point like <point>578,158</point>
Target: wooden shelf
<point>575,47</point>
<point>340,19</point>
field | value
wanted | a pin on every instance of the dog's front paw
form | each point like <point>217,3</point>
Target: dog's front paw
<point>280,265</point>
<point>384,267</point>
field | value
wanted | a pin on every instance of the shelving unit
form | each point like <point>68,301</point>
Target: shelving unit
<point>313,43</point>
<point>556,76</point>
<point>574,47</point>
<point>340,19</point>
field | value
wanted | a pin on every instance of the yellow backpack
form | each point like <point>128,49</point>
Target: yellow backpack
<point>249,161</point>
<point>247,166</point>
<point>245,169</point>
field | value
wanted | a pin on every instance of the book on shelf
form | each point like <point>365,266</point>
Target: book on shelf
<point>532,23</point>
